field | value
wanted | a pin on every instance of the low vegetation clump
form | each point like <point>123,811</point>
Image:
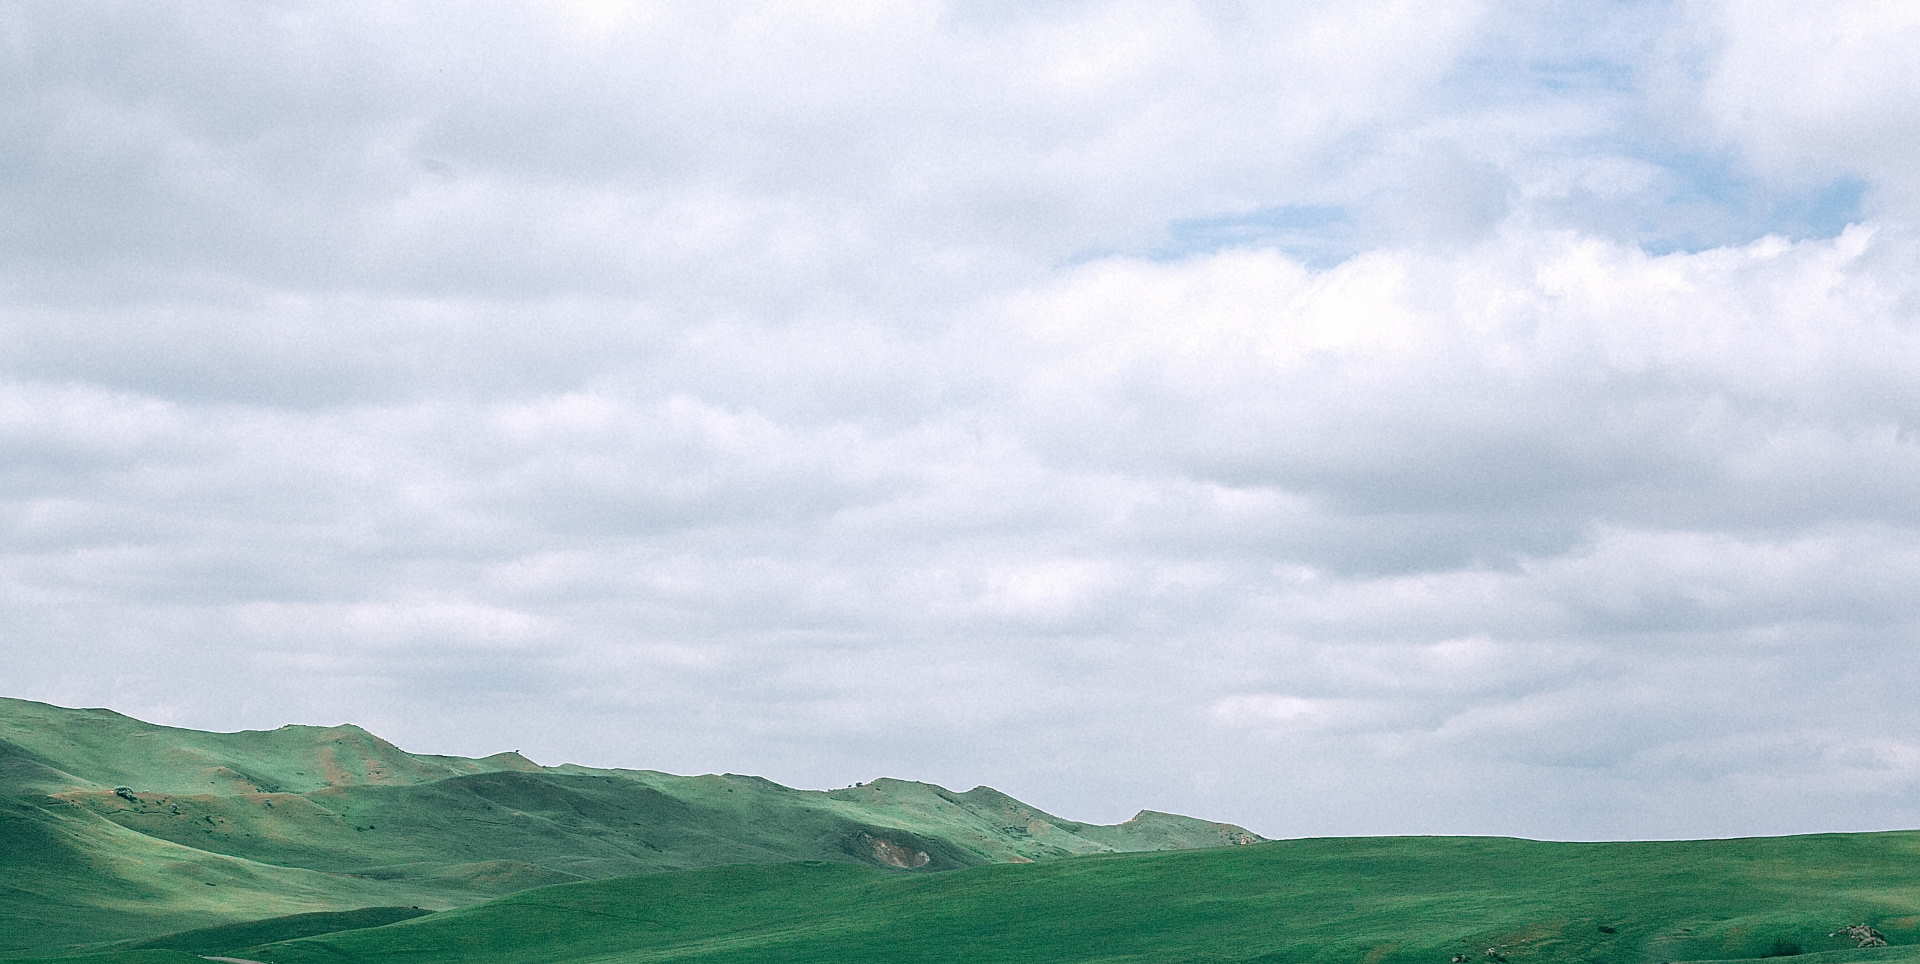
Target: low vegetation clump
<point>1862,935</point>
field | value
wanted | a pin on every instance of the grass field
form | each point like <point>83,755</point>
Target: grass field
<point>119,957</point>
<point>116,830</point>
<point>1335,900</point>
<point>215,940</point>
<point>125,842</point>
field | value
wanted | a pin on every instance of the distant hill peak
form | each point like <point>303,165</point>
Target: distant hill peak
<point>511,760</point>
<point>322,728</point>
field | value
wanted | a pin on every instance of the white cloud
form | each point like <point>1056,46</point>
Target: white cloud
<point>1820,92</point>
<point>815,391</point>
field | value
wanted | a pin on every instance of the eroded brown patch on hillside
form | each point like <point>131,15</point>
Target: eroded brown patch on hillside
<point>891,854</point>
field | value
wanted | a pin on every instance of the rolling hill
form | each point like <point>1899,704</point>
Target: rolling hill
<point>116,829</point>
<point>122,842</point>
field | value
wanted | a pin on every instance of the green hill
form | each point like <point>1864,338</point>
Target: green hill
<point>116,829</point>
<point>1338,900</point>
<point>127,842</point>
<point>214,940</point>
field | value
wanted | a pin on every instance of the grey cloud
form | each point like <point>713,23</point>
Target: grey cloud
<point>726,392</point>
<point>584,157</point>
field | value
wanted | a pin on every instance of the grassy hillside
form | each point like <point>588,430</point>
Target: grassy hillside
<point>1376,900</point>
<point>97,747</point>
<point>214,940</point>
<point>117,829</point>
<point>307,844</point>
<point>119,957</point>
<point>69,878</point>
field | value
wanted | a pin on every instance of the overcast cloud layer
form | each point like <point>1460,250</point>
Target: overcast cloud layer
<point>1353,418</point>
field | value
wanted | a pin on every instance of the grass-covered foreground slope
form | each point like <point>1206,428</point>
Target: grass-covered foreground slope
<point>1338,900</point>
<point>198,944</point>
<point>118,957</point>
<point>214,940</point>
<point>69,878</point>
<point>112,829</point>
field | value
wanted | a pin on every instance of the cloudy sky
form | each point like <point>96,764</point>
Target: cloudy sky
<point>1380,417</point>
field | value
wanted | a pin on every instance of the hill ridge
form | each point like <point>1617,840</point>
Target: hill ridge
<point>303,818</point>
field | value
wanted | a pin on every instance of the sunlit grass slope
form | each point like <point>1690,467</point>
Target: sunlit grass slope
<point>113,828</point>
<point>69,878</point>
<point>104,748</point>
<point>1338,900</point>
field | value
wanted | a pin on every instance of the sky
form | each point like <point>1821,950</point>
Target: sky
<point>1361,418</point>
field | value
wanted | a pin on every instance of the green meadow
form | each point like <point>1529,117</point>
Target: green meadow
<point>1334,900</point>
<point>129,842</point>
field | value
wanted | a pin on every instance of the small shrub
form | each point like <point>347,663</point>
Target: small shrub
<point>1862,935</point>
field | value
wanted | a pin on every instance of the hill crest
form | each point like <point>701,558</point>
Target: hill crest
<point>301,818</point>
